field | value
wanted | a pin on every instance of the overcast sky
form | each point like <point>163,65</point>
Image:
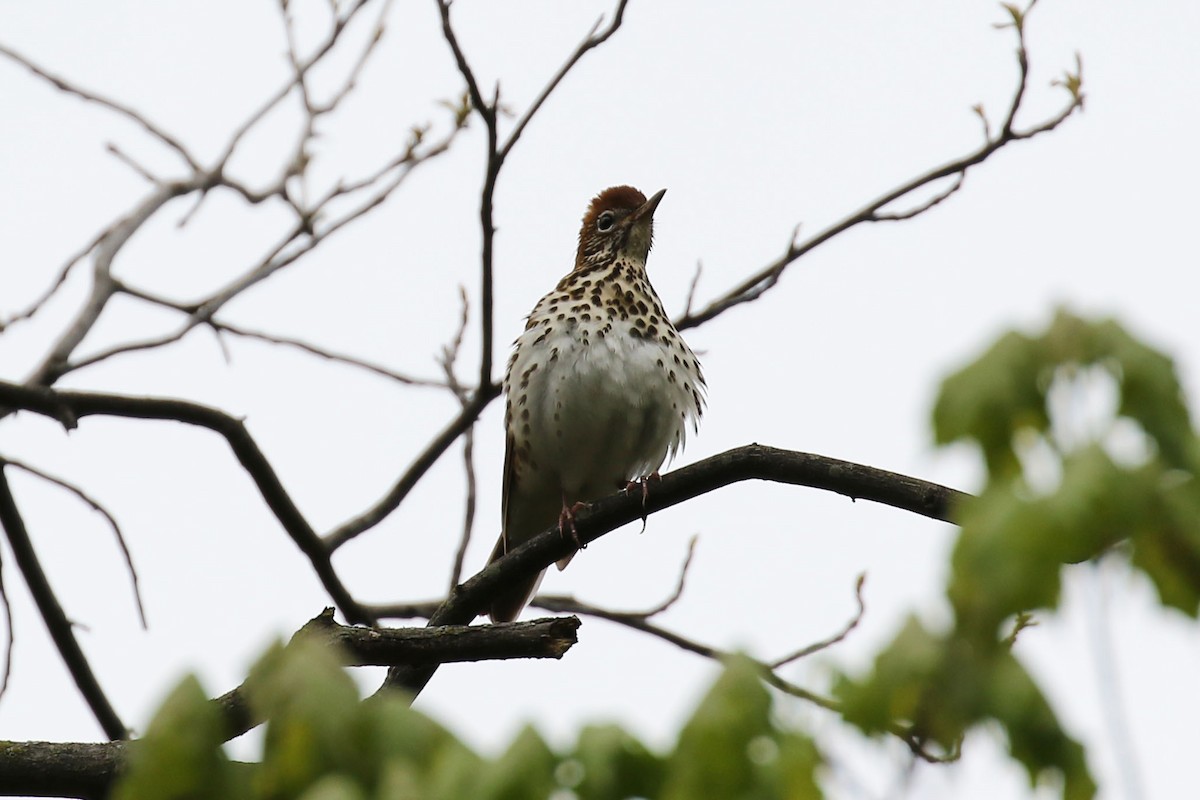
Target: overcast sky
<point>755,121</point>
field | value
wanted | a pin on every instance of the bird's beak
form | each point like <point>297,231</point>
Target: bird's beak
<point>646,210</point>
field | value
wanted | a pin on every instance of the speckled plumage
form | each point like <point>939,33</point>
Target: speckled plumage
<point>600,387</point>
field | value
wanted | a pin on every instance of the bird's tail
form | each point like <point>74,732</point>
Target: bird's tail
<point>507,605</point>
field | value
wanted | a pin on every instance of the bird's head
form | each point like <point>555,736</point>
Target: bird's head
<point>619,222</point>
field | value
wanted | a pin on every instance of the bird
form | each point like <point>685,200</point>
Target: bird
<point>600,388</point>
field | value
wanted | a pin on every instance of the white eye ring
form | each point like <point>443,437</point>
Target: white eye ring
<point>605,221</point>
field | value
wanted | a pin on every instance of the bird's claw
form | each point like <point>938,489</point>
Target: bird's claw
<point>644,483</point>
<point>566,522</point>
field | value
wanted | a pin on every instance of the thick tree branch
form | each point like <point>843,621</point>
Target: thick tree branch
<point>60,769</point>
<point>752,462</point>
<point>417,648</point>
<point>83,769</point>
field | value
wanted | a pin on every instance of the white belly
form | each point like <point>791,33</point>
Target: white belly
<point>602,413</point>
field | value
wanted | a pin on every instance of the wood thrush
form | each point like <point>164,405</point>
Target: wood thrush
<point>600,387</point>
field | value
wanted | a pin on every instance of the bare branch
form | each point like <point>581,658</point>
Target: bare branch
<point>691,295</point>
<point>11,642</point>
<point>900,216</point>
<point>638,622</point>
<point>496,154</point>
<point>61,769</point>
<point>77,769</point>
<point>102,511</point>
<point>323,49</point>
<point>55,364</point>
<point>767,672</point>
<point>293,245</point>
<point>562,602</point>
<point>53,615</point>
<point>133,164</point>
<point>678,593</point>
<point>766,278</point>
<point>450,644</point>
<point>59,279</point>
<point>328,355</point>
<point>449,357</point>
<point>69,407</point>
<point>419,610</point>
<point>68,87</point>
<point>752,462</point>
<point>591,41</point>
<point>416,470</point>
<point>837,637</point>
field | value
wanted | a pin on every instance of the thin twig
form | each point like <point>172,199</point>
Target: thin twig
<point>678,593</point>
<point>324,353</point>
<point>102,511</point>
<point>133,164</point>
<point>56,363</point>
<point>63,85</point>
<point>837,637</point>
<point>591,41</point>
<point>416,470</point>
<point>59,279</point>
<point>691,295</point>
<point>10,635</point>
<point>294,244</point>
<point>766,278</point>
<point>449,357</point>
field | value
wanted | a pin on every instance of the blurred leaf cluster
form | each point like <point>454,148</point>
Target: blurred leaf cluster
<point>1064,485</point>
<point>324,743</point>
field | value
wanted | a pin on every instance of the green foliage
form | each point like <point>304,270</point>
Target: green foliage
<point>324,743</point>
<point>1016,538</point>
<point>180,756</point>
<point>944,685</point>
<point>1014,541</point>
<point>1018,534</point>
<point>732,750</point>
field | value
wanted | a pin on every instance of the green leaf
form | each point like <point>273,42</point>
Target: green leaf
<point>1035,738</point>
<point>180,756</point>
<point>1167,544</point>
<point>525,771</point>
<point>417,752</point>
<point>911,681</point>
<point>731,749</point>
<point>1012,547</point>
<point>316,726</point>
<point>946,685</point>
<point>1013,544</point>
<point>612,765</point>
<point>992,399</point>
<point>335,787</point>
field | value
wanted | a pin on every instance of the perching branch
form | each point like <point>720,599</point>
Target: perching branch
<point>751,462</point>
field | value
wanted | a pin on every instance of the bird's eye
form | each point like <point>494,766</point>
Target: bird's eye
<point>605,221</point>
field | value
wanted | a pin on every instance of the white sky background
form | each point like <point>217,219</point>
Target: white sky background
<point>755,121</point>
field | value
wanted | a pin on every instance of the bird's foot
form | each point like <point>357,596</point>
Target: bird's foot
<point>644,483</point>
<point>566,522</point>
